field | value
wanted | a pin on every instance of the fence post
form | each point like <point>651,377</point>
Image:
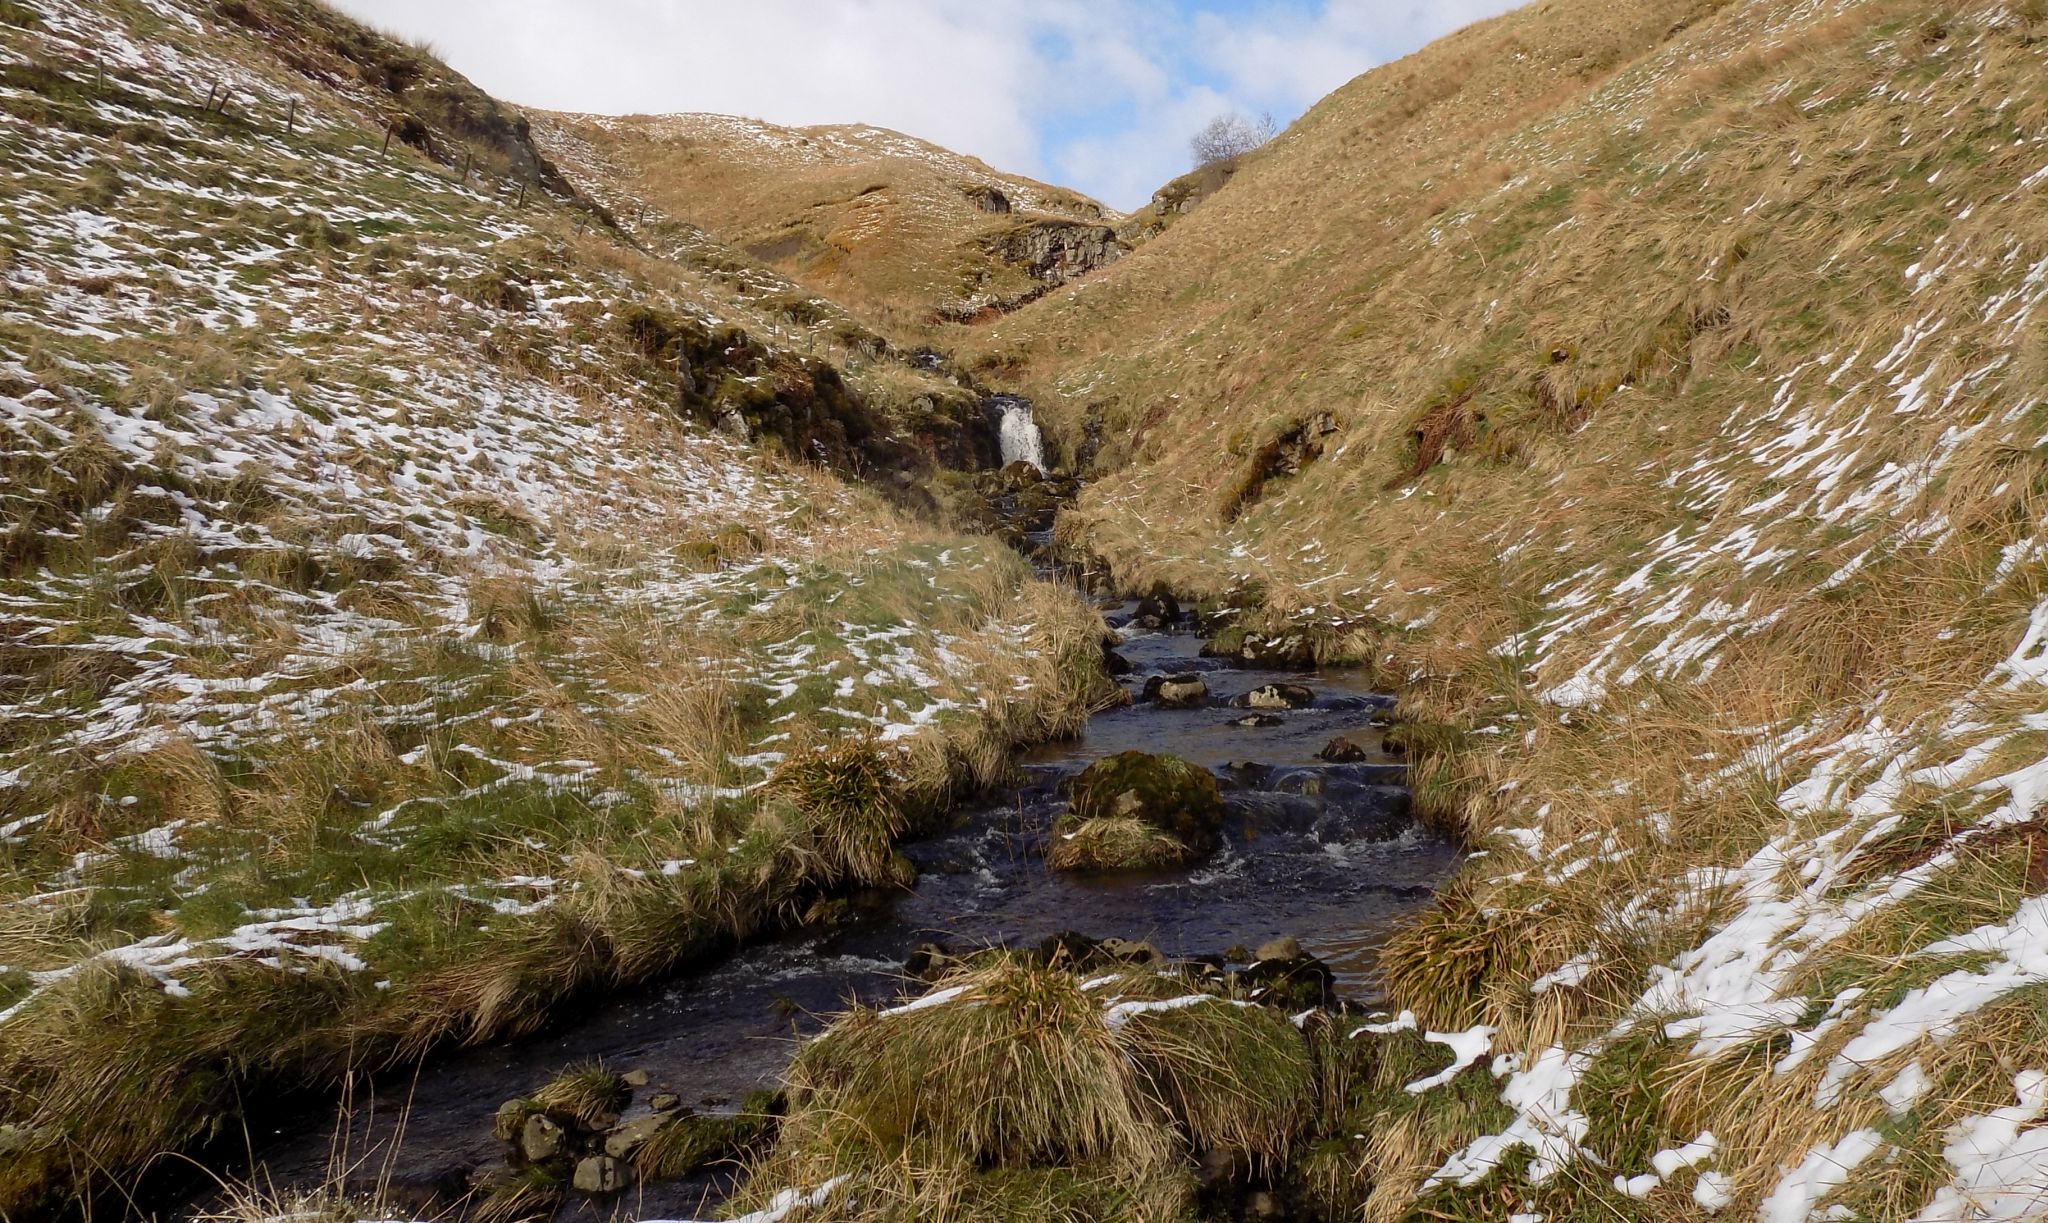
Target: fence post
<point>291,112</point>
<point>465,167</point>
<point>222,109</point>
<point>210,91</point>
<point>522,195</point>
<point>390,126</point>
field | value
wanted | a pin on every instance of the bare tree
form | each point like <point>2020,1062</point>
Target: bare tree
<point>1230,135</point>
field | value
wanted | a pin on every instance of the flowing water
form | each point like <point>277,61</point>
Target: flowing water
<point>1017,435</point>
<point>1324,852</point>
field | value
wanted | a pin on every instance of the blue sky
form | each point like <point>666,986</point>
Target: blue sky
<point>1099,95</point>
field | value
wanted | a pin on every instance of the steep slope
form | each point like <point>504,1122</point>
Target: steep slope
<point>898,228</point>
<point>1655,395</point>
<point>418,601</point>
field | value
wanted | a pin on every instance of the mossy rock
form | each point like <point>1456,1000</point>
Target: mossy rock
<point>1163,792</point>
<point>1296,983</point>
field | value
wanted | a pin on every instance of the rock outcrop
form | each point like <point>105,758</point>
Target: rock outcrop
<point>1056,251</point>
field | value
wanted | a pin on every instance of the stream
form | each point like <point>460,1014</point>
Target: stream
<point>1326,853</point>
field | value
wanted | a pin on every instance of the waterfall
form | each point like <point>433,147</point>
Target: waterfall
<point>1017,434</point>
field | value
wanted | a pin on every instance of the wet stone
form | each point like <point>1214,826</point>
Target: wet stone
<point>1277,696</point>
<point>664,1102</point>
<point>541,1139</point>
<point>634,1134</point>
<point>1344,750</point>
<point>511,1120</point>
<point>1183,691</point>
<point>599,1174</point>
<point>1286,947</point>
<point>1158,609</point>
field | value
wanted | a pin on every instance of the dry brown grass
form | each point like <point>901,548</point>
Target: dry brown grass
<point>881,224</point>
<point>1552,274</point>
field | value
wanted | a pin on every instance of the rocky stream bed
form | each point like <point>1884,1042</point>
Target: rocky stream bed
<point>1317,857</point>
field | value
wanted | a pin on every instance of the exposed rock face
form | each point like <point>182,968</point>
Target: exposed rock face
<point>1057,251</point>
<point>1278,459</point>
<point>988,199</point>
<point>1176,199</point>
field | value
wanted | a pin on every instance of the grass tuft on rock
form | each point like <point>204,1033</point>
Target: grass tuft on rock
<point>1113,843</point>
<point>694,1141</point>
<point>588,1092</point>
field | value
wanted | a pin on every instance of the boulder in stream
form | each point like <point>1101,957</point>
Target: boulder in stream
<point>1163,791</point>
<point>1157,610</point>
<point>629,1136</point>
<point>1344,749</point>
<point>1138,811</point>
<point>1277,696</point>
<point>1183,691</point>
<point>1256,720</point>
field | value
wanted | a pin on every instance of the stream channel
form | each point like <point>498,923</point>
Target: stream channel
<point>1325,853</point>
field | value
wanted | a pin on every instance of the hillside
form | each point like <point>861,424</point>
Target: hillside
<point>1653,395</point>
<point>421,600</point>
<point>455,565</point>
<point>898,228</point>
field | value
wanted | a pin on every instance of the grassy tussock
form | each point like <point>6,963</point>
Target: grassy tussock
<point>1110,843</point>
<point>1010,1090</point>
<point>588,1092</point>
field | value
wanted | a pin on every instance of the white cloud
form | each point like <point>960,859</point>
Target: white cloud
<point>1100,95</point>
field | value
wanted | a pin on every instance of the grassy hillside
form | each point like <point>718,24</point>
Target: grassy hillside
<point>419,600</point>
<point>896,227</point>
<point>1658,396</point>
